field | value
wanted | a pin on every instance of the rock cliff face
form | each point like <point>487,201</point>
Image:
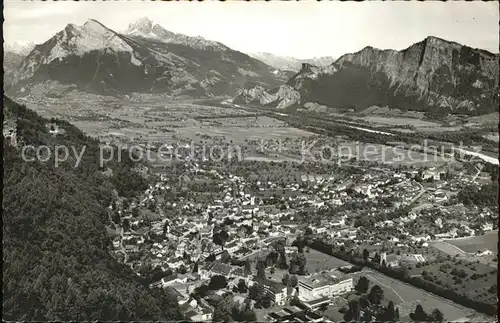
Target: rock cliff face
<point>281,97</point>
<point>144,59</point>
<point>432,75</point>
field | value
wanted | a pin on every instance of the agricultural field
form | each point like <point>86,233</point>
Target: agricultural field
<point>438,129</point>
<point>485,119</point>
<point>391,112</point>
<point>239,135</point>
<point>473,279</point>
<point>243,121</point>
<point>477,243</point>
<point>92,128</point>
<point>400,121</point>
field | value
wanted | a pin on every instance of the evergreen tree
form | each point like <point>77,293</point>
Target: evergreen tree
<point>362,285</point>
<point>389,313</point>
<point>376,295</point>
<point>248,268</point>
<point>366,254</point>
<point>437,316</point>
<point>419,315</point>
<point>353,313</point>
<point>286,280</point>
<point>261,269</point>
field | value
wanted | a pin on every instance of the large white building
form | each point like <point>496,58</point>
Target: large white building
<point>324,285</point>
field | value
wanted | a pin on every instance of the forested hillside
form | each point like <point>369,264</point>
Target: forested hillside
<point>55,264</point>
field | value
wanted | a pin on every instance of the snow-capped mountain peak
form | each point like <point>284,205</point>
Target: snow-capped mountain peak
<point>141,27</point>
<point>19,47</point>
<point>147,28</point>
<point>145,59</point>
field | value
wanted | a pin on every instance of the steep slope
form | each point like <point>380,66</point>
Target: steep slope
<point>287,63</point>
<point>11,63</point>
<point>146,58</point>
<point>13,55</point>
<point>55,260</point>
<point>432,75</point>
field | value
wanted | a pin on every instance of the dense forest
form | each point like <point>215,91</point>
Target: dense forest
<point>55,263</point>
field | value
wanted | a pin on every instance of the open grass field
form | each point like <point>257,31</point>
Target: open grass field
<point>92,128</point>
<point>240,134</point>
<point>406,298</point>
<point>478,243</point>
<point>260,121</point>
<point>447,248</point>
<point>400,121</point>
<point>438,129</point>
<point>490,118</point>
<point>318,261</point>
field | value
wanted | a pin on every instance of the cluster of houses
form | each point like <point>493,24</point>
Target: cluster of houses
<point>241,210</point>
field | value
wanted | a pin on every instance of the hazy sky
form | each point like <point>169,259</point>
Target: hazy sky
<point>300,29</point>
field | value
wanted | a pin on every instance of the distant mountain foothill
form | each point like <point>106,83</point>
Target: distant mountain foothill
<point>431,75</point>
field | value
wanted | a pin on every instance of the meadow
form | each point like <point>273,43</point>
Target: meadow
<point>318,261</point>
<point>447,248</point>
<point>406,298</point>
<point>400,121</point>
<point>242,134</point>
<point>478,243</point>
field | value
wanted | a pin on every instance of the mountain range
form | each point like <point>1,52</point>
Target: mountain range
<point>287,63</point>
<point>19,47</point>
<point>144,58</point>
<point>432,75</point>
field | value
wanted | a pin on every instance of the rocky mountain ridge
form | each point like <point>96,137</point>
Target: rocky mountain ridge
<point>13,55</point>
<point>290,63</point>
<point>432,75</point>
<point>147,28</point>
<point>18,47</point>
<point>144,59</point>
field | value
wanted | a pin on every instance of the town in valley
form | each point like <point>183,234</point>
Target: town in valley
<point>190,179</point>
